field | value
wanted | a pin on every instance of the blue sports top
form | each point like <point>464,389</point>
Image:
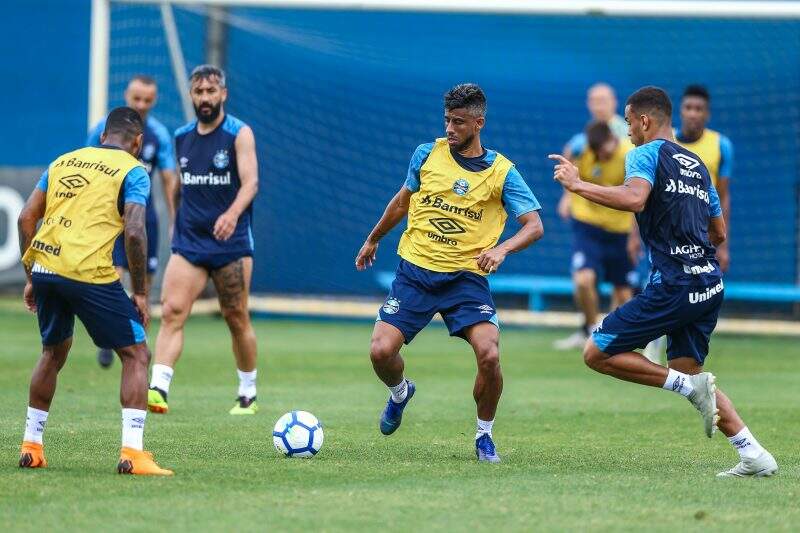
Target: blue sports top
<point>209,185</point>
<point>674,222</point>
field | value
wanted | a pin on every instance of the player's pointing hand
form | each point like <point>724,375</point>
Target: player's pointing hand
<point>366,255</point>
<point>565,172</point>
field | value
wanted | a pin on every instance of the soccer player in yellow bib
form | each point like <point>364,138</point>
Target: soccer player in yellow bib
<point>713,148</point>
<point>84,200</point>
<point>600,234</point>
<point>457,195</point>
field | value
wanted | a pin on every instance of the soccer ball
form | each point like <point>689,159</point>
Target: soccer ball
<point>298,434</point>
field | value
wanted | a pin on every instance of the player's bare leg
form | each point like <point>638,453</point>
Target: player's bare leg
<point>620,295</point>
<point>484,337</point>
<point>183,282</point>
<point>755,460</point>
<point>233,287</point>
<point>133,397</point>
<point>384,352</point>
<point>587,301</point>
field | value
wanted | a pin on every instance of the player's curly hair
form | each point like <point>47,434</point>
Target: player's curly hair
<point>124,123</point>
<point>651,99</point>
<point>208,72</point>
<point>466,96</point>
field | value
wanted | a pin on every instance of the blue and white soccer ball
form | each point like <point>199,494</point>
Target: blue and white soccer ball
<point>298,434</point>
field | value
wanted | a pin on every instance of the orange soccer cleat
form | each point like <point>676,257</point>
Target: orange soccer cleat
<point>31,455</point>
<point>140,463</point>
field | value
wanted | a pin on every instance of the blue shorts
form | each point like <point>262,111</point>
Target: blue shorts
<point>121,260</point>
<point>417,294</point>
<point>685,314</point>
<point>104,309</point>
<point>604,252</point>
<point>211,262</point>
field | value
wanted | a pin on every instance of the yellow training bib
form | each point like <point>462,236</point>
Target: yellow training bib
<point>707,148</point>
<point>608,174</point>
<point>456,214</point>
<point>82,216</point>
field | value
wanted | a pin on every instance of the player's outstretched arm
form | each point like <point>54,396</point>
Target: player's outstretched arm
<point>395,211</point>
<point>531,231</point>
<point>136,252</point>
<point>169,182</point>
<point>631,196</point>
<point>26,224</point>
<point>247,166</point>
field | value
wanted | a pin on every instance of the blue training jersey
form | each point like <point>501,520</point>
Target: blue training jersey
<point>156,154</point>
<point>674,222</point>
<point>209,185</point>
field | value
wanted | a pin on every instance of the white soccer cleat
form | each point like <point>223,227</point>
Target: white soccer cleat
<point>576,341</point>
<point>704,399</point>
<point>762,466</point>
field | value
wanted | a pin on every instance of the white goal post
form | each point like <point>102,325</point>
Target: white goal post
<point>101,22</point>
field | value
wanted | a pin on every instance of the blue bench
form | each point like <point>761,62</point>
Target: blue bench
<point>537,288</point>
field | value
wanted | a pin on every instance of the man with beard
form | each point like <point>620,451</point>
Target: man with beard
<point>212,236</point>
<point>156,154</point>
<point>457,195</point>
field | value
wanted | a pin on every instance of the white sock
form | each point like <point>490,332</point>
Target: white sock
<point>399,391</point>
<point>247,383</point>
<point>161,377</point>
<point>746,444</point>
<point>34,425</point>
<point>484,428</point>
<point>133,428</point>
<point>678,382</point>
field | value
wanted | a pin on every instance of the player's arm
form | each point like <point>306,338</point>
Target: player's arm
<point>136,190</point>
<point>717,232</point>
<point>166,169</point>
<point>247,166</point>
<point>723,190</point>
<point>519,202</point>
<point>29,217</point>
<point>395,211</point>
<point>630,196</point>
<point>169,182</point>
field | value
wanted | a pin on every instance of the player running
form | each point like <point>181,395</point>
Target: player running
<point>81,199</point>
<point>457,195</point>
<point>680,220</point>
<point>714,149</point>
<point>600,234</point>
<point>212,236</point>
<point>601,102</point>
<point>156,154</point>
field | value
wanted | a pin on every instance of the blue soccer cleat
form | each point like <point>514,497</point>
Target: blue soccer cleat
<point>484,449</point>
<point>393,413</point>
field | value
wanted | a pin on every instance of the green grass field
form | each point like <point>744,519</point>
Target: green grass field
<point>581,451</point>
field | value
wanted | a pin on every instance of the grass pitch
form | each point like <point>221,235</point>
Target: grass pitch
<point>580,451</point>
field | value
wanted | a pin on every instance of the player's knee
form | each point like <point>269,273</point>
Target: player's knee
<point>54,356</point>
<point>593,357</point>
<point>380,350</point>
<point>238,320</point>
<point>584,279</point>
<point>488,358</point>
<point>173,312</point>
<point>136,353</point>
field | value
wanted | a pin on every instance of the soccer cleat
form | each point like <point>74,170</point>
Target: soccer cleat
<point>762,466</point>
<point>392,415</point>
<point>139,463</point>
<point>576,341</point>
<point>244,406</point>
<point>157,401</point>
<point>105,357</point>
<point>704,399</point>
<point>485,450</point>
<point>31,455</point>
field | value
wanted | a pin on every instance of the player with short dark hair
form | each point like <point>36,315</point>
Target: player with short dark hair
<point>680,221</point>
<point>212,237</point>
<point>600,234</point>
<point>714,149</point>
<point>457,196</point>
<point>156,154</point>
<point>85,199</point>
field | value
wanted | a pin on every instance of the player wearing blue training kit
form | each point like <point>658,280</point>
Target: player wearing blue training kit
<point>680,222</point>
<point>156,155</point>
<point>212,235</point>
<point>457,196</point>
